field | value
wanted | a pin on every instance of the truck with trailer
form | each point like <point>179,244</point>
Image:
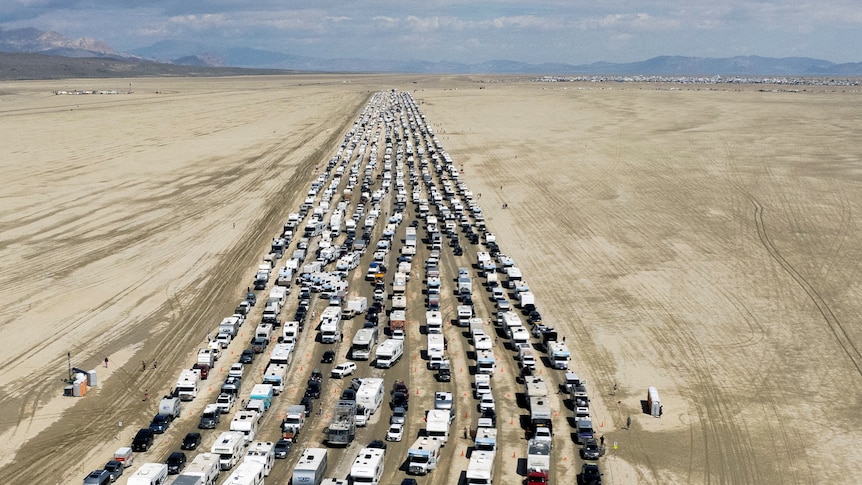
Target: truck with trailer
<point>311,467</point>
<point>526,301</point>
<point>355,305</point>
<point>229,325</point>
<point>330,325</point>
<point>363,343</point>
<point>187,384</point>
<point>540,413</point>
<point>276,375</point>
<point>229,447</point>
<point>437,423</point>
<point>294,420</point>
<point>480,470</point>
<point>204,468</point>
<point>538,462</point>
<point>388,353</point>
<point>342,425</point>
<point>434,321</point>
<point>423,455</point>
<point>368,466</point>
<point>560,355</point>
<point>262,452</point>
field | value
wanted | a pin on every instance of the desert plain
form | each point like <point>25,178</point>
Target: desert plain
<point>701,239</point>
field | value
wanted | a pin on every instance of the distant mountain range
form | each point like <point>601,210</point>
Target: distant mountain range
<point>34,41</point>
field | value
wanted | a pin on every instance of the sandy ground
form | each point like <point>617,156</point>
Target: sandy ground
<point>700,241</point>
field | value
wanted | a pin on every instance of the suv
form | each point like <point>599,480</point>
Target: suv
<point>160,423</point>
<point>343,370</point>
<point>143,440</point>
<point>590,475</point>
<point>247,356</point>
<point>98,477</point>
<point>176,462</point>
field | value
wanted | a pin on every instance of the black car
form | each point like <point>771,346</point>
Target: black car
<point>348,394</point>
<point>377,444</point>
<point>444,374</point>
<point>258,344</point>
<point>490,414</point>
<point>590,475</point>
<point>160,423</point>
<point>328,357</point>
<point>591,450</point>
<point>282,448</point>
<point>308,402</point>
<point>115,468</point>
<point>176,462</point>
<point>246,357</point>
<point>251,298</point>
<point>191,441</point>
<point>313,389</point>
<point>143,440</point>
<point>400,399</point>
<point>457,251</point>
<point>409,481</point>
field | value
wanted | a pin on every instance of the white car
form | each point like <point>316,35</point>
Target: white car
<point>236,370</point>
<point>223,339</point>
<point>343,370</point>
<point>543,434</point>
<point>486,402</point>
<point>396,432</point>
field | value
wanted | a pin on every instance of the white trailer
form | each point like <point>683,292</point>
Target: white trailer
<point>363,342</point>
<point>228,446</point>
<point>330,325</point>
<point>437,423</point>
<point>262,452</point>
<point>480,470</point>
<point>204,466</point>
<point>370,395</point>
<point>486,438</point>
<point>434,321</point>
<point>247,473</point>
<point>436,346</point>
<point>310,468</point>
<point>149,474</point>
<point>355,306</point>
<point>368,466</point>
<point>275,374</point>
<point>465,313</point>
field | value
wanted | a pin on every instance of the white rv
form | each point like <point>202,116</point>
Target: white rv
<point>262,452</point>
<point>310,468</point>
<point>389,352</point>
<point>247,473</point>
<point>149,474</point>
<point>205,467</point>
<point>368,466</point>
<point>228,446</point>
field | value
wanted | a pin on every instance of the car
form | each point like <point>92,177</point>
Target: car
<point>348,394</point>
<point>97,477</point>
<point>343,370</point>
<point>160,423</point>
<point>115,468</point>
<point>486,402</point>
<point>143,440</point>
<point>591,450</point>
<point>399,386</point>
<point>308,402</point>
<point>191,441</point>
<point>282,448</point>
<point>490,414</point>
<point>543,433</point>
<point>377,444</point>
<point>247,356</point>
<point>396,432</point>
<point>328,357</point>
<point>399,415</point>
<point>176,462</point>
<point>258,344</point>
<point>590,475</point>
<point>236,370</point>
<point>313,388</point>
<point>204,369</point>
<point>400,399</point>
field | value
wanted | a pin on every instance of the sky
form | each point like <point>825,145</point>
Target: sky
<point>565,31</point>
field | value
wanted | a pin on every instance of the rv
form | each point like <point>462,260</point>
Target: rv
<point>355,306</point>
<point>275,375</point>
<point>560,355</point>
<point>228,446</point>
<point>397,320</point>
<point>436,346</point>
<point>433,321</point>
<point>262,452</point>
<point>538,462</point>
<point>342,425</point>
<point>281,353</point>
<point>480,470</point>
<point>187,384</point>
<point>330,325</point>
<point>149,474</point>
<point>465,313</point>
<point>422,456</point>
<point>486,438</point>
<point>310,468</point>
<point>263,393</point>
<point>204,467</point>
<point>369,396</point>
<point>368,466</point>
<point>388,353</point>
<point>363,342</point>
<point>437,423</point>
<point>290,333</point>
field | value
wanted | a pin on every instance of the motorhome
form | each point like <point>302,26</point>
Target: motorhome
<point>149,474</point>
<point>330,325</point>
<point>434,321</point>
<point>388,353</point>
<point>247,473</point>
<point>262,452</point>
<point>187,384</point>
<point>436,346</point>
<point>369,396</point>
<point>423,454</point>
<point>363,343</point>
<point>205,467</point>
<point>368,466</point>
<point>275,374</point>
<point>437,422</point>
<point>480,470</point>
<point>245,422</point>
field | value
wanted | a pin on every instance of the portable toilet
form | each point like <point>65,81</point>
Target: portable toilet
<point>653,402</point>
<point>91,378</point>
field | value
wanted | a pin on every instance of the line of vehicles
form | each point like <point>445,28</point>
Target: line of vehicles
<point>322,229</point>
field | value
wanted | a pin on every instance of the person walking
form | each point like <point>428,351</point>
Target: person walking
<point>602,440</point>
<point>106,362</point>
<point>628,422</point>
<point>146,394</point>
<point>143,365</point>
<point>155,364</point>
